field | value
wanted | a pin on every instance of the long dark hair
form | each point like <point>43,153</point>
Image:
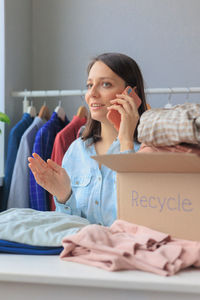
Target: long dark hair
<point>126,68</point>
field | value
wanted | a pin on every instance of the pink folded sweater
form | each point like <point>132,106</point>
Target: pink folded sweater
<point>127,246</point>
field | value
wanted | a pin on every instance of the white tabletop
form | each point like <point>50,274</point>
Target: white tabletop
<point>53,271</point>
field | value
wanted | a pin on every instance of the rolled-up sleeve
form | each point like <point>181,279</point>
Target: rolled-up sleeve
<point>67,207</point>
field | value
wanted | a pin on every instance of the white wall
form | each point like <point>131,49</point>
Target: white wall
<point>18,53</point>
<point>163,37</point>
<point>2,88</point>
<point>49,44</point>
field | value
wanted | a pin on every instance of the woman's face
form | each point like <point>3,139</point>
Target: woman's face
<point>103,85</point>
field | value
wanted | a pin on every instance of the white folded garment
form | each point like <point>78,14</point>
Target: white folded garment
<point>38,228</point>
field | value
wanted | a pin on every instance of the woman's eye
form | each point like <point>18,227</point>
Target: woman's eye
<point>106,84</point>
<point>88,86</point>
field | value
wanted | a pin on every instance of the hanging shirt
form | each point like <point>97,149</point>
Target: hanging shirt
<point>93,189</point>
<point>62,142</point>
<point>43,146</point>
<point>19,189</point>
<point>13,145</point>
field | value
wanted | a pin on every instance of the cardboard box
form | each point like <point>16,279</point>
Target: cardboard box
<point>158,190</point>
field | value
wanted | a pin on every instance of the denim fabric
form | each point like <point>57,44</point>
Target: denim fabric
<point>62,142</point>
<point>43,145</point>
<point>93,188</point>
<point>13,145</point>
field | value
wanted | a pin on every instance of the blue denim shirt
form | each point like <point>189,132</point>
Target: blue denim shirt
<point>94,193</point>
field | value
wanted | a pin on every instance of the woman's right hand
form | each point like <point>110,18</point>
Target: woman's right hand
<point>51,177</point>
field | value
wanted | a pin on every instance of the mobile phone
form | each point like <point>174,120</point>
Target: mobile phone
<point>114,117</point>
<point>131,92</point>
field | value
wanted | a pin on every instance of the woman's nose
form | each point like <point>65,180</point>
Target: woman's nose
<point>94,91</point>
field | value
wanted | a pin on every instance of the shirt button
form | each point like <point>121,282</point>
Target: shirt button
<point>99,178</point>
<point>96,202</point>
<point>77,182</point>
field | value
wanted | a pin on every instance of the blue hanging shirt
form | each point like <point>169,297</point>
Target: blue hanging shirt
<point>43,145</point>
<point>19,188</point>
<point>13,145</point>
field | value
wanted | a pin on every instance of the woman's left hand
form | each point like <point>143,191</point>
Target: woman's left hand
<point>127,108</point>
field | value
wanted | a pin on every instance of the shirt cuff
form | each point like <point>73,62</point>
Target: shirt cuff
<point>64,207</point>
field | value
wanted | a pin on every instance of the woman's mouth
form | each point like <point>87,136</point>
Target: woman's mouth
<point>96,106</point>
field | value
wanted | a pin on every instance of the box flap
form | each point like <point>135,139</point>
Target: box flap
<point>151,162</point>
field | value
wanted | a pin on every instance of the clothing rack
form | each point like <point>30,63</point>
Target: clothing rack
<point>63,93</point>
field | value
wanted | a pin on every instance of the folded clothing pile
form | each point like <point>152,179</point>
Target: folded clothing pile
<point>29,231</point>
<point>170,126</point>
<point>126,246</point>
<point>20,248</point>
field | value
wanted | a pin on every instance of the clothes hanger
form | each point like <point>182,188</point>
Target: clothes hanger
<point>82,112</point>
<point>169,104</point>
<point>148,106</point>
<point>31,110</point>
<point>25,103</point>
<point>44,112</point>
<point>60,112</point>
<point>188,96</point>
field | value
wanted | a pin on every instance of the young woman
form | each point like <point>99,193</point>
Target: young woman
<point>81,186</point>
